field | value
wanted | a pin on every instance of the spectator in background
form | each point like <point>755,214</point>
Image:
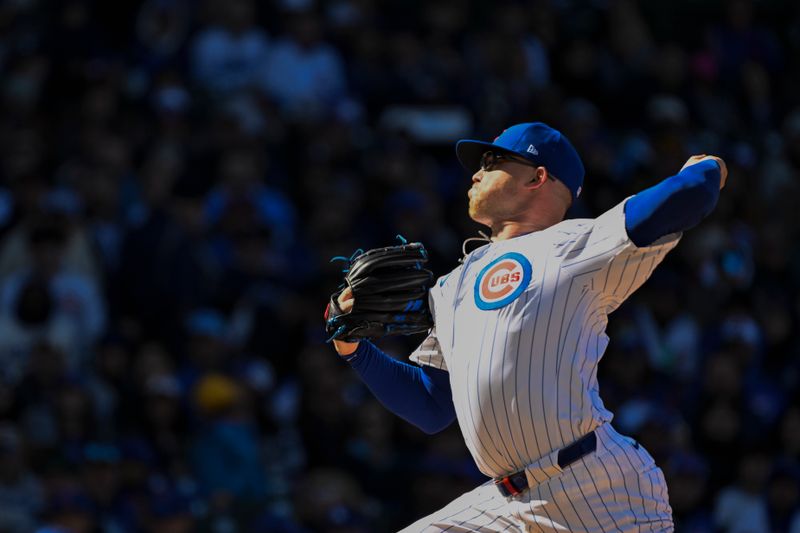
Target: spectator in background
<point>740,40</point>
<point>171,513</point>
<point>138,474</point>
<point>162,166</point>
<point>76,298</point>
<point>229,54</point>
<point>304,74</point>
<point>69,510</point>
<point>101,186</point>
<point>224,453</point>
<point>165,422</point>
<point>112,392</point>
<point>167,265</point>
<point>789,432</point>
<point>21,495</point>
<point>207,347</point>
<point>72,410</point>
<point>525,48</point>
<point>246,199</point>
<point>687,476</point>
<point>34,321</point>
<point>325,423</point>
<point>162,27</point>
<point>48,207</point>
<point>37,395</point>
<point>414,213</point>
<point>101,473</point>
<point>742,507</point>
<point>333,502</point>
<point>783,498</point>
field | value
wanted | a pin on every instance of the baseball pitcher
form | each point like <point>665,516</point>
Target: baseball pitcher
<point>518,330</point>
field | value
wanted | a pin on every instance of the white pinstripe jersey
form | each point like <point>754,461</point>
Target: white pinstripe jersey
<point>520,327</point>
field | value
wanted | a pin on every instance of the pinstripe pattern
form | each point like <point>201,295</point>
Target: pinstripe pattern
<point>499,436</point>
<point>474,437</point>
<point>596,494</point>
<point>524,375</point>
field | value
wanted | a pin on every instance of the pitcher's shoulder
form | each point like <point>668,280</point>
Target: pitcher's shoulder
<point>572,226</point>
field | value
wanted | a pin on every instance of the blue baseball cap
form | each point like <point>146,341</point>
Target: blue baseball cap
<point>538,143</point>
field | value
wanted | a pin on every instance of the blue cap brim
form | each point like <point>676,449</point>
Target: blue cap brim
<point>469,152</point>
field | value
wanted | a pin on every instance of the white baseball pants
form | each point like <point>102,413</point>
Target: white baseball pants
<point>618,487</point>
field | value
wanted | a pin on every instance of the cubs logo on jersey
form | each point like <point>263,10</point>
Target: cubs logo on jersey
<point>502,281</point>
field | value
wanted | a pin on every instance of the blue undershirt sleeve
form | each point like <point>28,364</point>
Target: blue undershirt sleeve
<point>676,204</point>
<point>419,395</point>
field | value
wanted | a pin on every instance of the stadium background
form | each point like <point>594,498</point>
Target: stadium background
<point>175,175</point>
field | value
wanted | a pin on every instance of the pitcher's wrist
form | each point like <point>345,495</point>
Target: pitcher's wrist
<point>345,349</point>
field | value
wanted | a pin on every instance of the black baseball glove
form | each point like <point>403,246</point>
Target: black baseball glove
<point>390,294</point>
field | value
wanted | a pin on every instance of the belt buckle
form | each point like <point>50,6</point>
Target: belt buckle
<point>506,487</point>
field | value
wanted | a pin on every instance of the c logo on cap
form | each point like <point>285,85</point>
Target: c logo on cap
<point>502,280</point>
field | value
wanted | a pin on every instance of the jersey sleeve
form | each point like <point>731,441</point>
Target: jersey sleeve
<point>429,353</point>
<point>602,250</point>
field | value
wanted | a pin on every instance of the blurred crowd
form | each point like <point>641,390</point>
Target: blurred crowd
<point>176,174</point>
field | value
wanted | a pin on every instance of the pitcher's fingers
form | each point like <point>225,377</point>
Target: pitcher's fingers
<point>347,294</point>
<point>723,167</point>
<point>346,300</point>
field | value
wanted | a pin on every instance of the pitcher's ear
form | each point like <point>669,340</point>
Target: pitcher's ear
<point>539,177</point>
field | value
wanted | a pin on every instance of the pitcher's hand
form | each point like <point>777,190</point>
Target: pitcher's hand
<point>345,301</point>
<point>723,168</point>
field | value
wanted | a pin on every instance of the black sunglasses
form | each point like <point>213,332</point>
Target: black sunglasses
<point>490,159</point>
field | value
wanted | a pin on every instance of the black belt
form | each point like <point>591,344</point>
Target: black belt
<point>515,483</point>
